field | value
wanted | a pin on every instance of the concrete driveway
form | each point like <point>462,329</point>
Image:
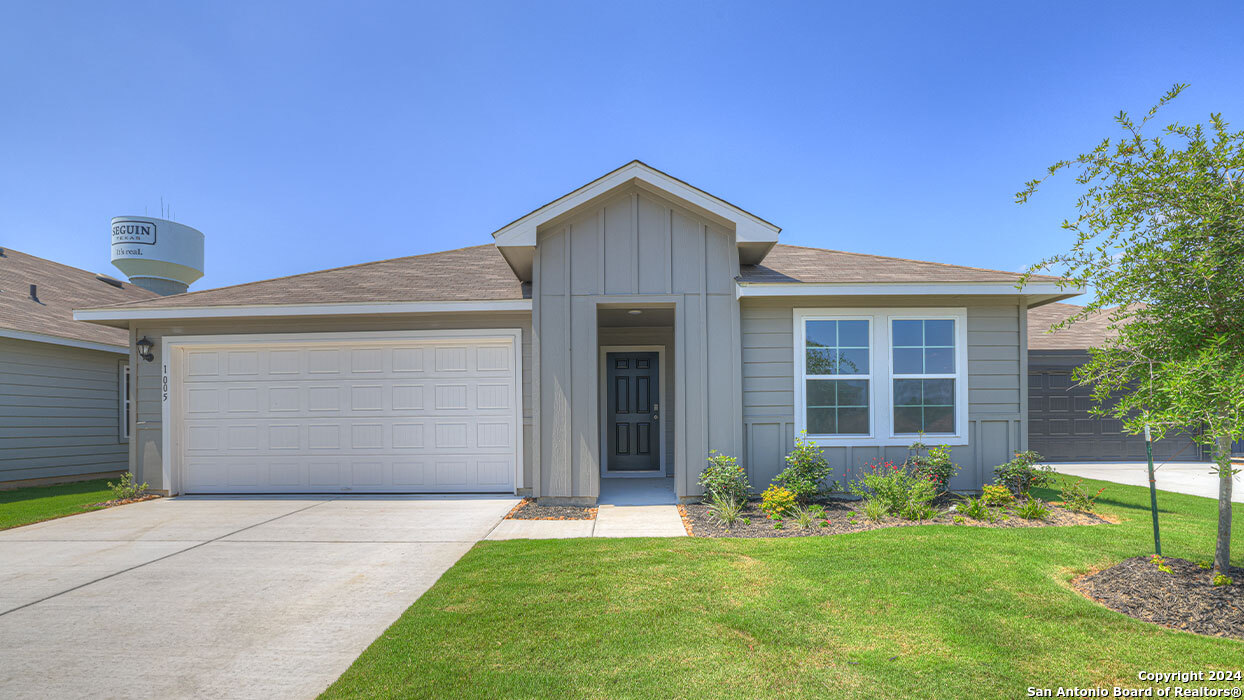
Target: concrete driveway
<point>219,597</point>
<point>1193,478</point>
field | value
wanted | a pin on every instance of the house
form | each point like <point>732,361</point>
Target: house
<point>620,331</point>
<point>1060,425</point>
<point>64,394</point>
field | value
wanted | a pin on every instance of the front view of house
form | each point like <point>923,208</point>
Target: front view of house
<point>621,331</point>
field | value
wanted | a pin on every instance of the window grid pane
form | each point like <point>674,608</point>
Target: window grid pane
<point>837,406</point>
<point>836,348</point>
<point>923,346</point>
<point>924,406</point>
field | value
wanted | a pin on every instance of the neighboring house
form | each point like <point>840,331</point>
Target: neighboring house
<point>62,390</point>
<point>1060,425</point>
<point>622,330</point>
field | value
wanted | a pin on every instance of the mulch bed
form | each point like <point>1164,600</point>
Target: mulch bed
<point>845,516</point>
<point>1183,600</point>
<point>124,501</point>
<point>528,510</point>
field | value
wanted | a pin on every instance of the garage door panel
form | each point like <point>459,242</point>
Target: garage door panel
<point>1061,427</point>
<point>397,416</point>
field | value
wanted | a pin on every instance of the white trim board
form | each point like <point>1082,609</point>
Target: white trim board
<point>170,347</point>
<point>403,307</point>
<point>603,389</point>
<point>67,342</point>
<point>881,374</point>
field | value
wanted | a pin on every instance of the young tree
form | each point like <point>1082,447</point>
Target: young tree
<point>1160,238</point>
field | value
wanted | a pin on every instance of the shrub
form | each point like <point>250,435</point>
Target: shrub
<point>977,509</point>
<point>806,469</point>
<point>886,483</point>
<point>1032,509</point>
<point>725,510</point>
<point>126,489</point>
<point>935,466</point>
<point>996,495</point>
<point>723,479</point>
<point>920,495</point>
<point>1223,580</point>
<point>803,518</point>
<point>1160,562</point>
<point>776,502</point>
<point>1023,473</point>
<point>874,510</point>
<point>1205,564</point>
<point>1076,498</point>
<point>959,520</point>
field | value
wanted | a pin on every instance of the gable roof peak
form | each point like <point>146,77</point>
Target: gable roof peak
<point>517,240</point>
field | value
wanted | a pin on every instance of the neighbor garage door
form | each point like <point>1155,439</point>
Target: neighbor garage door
<point>1062,429</point>
<point>358,415</point>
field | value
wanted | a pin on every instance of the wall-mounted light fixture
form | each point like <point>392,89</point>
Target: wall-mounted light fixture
<point>144,348</point>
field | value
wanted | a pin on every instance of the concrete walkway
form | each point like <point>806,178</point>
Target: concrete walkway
<point>611,521</point>
<point>219,597</point>
<point>1194,478</point>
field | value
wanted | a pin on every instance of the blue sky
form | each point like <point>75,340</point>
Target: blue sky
<point>300,136</point>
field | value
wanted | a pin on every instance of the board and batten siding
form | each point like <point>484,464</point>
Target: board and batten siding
<point>997,398</point>
<point>633,249</point>
<point>146,461</point>
<point>60,411</point>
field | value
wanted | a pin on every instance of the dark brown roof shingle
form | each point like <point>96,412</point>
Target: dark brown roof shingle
<point>60,290</point>
<point>1081,335</point>
<point>791,263</point>
<point>478,273</point>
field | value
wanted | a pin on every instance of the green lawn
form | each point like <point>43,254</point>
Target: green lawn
<point>36,503</point>
<point>934,611</point>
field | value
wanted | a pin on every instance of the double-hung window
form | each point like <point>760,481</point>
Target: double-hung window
<point>838,363</point>
<point>881,376</point>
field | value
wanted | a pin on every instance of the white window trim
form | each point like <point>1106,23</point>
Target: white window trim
<point>881,368</point>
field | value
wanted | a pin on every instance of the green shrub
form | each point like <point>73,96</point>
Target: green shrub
<point>777,502</point>
<point>725,510</point>
<point>977,509</point>
<point>1205,564</point>
<point>959,520</point>
<point>1076,498</point>
<point>724,479</point>
<point>996,495</point>
<point>1223,580</point>
<point>886,483</point>
<point>1023,473</point>
<point>1160,562</point>
<point>126,489</point>
<point>919,505</point>
<point>803,518</point>
<point>806,469</point>
<point>1032,509</point>
<point>935,466</point>
<point>874,510</point>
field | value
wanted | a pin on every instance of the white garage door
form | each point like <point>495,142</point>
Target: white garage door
<point>430,415</point>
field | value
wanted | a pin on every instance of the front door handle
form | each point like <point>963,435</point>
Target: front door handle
<point>656,408</point>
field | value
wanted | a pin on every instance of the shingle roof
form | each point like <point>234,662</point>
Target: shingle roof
<point>478,273</point>
<point>791,263</point>
<point>1081,335</point>
<point>60,289</point>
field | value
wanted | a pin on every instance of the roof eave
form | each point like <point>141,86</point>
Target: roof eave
<point>1038,293</point>
<point>121,317</point>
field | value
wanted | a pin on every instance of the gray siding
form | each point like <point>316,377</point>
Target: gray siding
<point>996,401</point>
<point>634,249</point>
<point>146,459</point>
<point>60,411</point>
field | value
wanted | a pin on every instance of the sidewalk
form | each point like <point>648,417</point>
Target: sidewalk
<point>1193,478</point>
<point>611,521</point>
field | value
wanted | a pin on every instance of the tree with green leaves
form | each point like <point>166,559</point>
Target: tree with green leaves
<point>1160,238</point>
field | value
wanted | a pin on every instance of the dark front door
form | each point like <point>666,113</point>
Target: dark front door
<point>633,434</point>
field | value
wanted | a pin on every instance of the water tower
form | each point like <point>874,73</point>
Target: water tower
<point>156,254</point>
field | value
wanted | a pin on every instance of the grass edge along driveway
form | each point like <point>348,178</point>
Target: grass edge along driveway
<point>930,611</point>
<point>33,504</point>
